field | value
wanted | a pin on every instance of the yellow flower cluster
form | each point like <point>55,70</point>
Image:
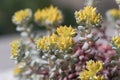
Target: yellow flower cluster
<point>116,40</point>
<point>88,15</point>
<point>93,69</point>
<point>50,15</point>
<point>22,16</point>
<point>66,31</point>
<point>61,41</point>
<point>65,42</point>
<point>47,41</point>
<point>115,13</point>
<point>15,45</point>
<point>19,69</point>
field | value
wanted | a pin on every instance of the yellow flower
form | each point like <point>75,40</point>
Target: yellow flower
<point>41,43</point>
<point>116,40</point>
<point>65,43</point>
<point>22,16</point>
<point>15,45</point>
<point>20,68</point>
<point>51,15</point>
<point>92,69</point>
<point>115,13</point>
<point>86,75</point>
<point>54,41</point>
<point>88,15</point>
<point>99,78</point>
<point>66,31</point>
<point>47,41</point>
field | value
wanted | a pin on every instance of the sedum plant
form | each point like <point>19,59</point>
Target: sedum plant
<point>67,53</point>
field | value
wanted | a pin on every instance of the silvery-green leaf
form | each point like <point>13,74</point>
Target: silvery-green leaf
<point>51,75</point>
<point>53,69</point>
<point>24,34</point>
<point>81,28</point>
<point>18,28</point>
<point>53,57</point>
<point>82,38</point>
<point>67,57</point>
<point>89,36</point>
<point>85,46</point>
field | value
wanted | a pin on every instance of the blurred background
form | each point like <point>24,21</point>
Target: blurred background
<point>68,7</point>
<point>7,28</point>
